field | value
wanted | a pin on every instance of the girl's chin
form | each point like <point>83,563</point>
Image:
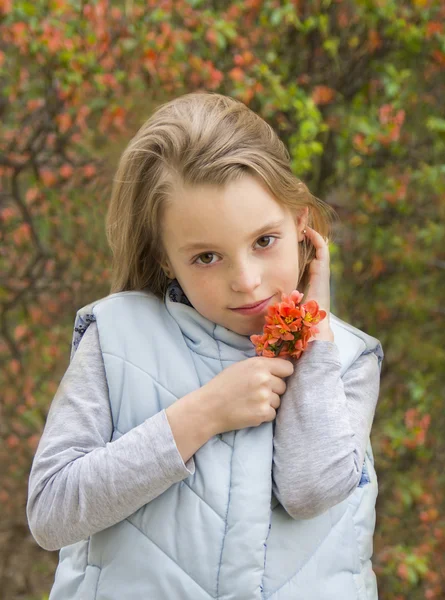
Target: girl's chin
<point>249,328</point>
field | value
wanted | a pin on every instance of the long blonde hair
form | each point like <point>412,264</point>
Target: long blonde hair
<point>197,138</point>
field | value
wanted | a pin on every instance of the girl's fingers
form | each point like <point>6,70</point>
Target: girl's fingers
<point>315,236</point>
<point>320,243</point>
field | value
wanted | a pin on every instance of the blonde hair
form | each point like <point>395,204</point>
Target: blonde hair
<point>197,138</point>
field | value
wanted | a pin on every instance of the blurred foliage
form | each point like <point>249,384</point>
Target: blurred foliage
<point>354,89</point>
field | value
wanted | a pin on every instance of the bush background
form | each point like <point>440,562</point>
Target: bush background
<point>354,89</point>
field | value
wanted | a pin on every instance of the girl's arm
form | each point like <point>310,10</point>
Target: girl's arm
<point>80,482</point>
<point>322,430</point>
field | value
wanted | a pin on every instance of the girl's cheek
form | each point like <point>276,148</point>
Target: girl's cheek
<point>205,285</point>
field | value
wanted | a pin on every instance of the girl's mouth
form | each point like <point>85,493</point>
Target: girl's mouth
<point>253,310</point>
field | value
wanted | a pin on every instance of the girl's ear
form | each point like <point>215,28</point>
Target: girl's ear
<point>164,263</point>
<point>168,271</point>
<point>301,220</point>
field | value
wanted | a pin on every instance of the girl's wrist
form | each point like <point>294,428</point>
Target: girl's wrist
<point>191,423</point>
<point>325,333</point>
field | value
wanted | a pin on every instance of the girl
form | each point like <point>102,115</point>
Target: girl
<point>175,464</point>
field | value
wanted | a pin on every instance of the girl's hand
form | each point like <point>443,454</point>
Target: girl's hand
<point>319,285</point>
<point>245,394</point>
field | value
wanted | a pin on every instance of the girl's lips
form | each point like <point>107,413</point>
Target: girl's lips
<point>253,310</point>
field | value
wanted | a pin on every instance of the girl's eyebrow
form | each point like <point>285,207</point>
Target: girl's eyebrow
<point>200,245</point>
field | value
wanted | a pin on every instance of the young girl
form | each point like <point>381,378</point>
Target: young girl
<point>175,463</point>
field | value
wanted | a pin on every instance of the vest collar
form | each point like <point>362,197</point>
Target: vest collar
<point>202,335</point>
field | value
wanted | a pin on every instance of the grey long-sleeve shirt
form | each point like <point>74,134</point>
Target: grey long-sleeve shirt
<point>81,483</point>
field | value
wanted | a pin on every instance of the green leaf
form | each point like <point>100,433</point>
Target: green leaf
<point>221,40</point>
<point>331,46</point>
<point>98,103</point>
<point>29,9</point>
<point>436,124</point>
<point>276,17</point>
<point>159,15</point>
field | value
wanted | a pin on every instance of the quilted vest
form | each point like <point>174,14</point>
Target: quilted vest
<point>220,533</point>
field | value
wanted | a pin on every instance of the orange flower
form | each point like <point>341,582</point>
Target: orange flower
<point>289,325</point>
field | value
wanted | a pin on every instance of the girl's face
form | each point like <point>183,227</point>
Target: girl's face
<point>232,246</point>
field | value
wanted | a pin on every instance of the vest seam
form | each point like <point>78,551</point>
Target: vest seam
<point>356,541</point>
<point>89,564</point>
<point>202,500</point>
<point>121,390</point>
<point>351,516</point>
<point>191,489</point>
<point>265,552</point>
<point>113,419</point>
<point>309,558</point>
<point>364,595</point>
<point>373,351</point>
<point>145,372</point>
<point>230,492</point>
<point>223,441</point>
<point>97,582</point>
<point>221,360</point>
<point>88,550</point>
<point>168,556</point>
<point>226,528</point>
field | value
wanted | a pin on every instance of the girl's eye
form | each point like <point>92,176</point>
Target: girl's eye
<point>266,237</point>
<point>205,254</point>
<point>210,254</point>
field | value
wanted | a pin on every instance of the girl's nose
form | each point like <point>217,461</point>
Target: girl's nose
<point>245,279</point>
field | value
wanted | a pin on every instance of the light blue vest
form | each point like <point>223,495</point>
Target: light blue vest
<point>220,533</point>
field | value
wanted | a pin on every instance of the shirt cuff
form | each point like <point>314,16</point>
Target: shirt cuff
<point>171,456</point>
<point>321,351</point>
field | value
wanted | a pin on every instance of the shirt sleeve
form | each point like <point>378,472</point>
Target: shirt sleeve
<point>80,482</point>
<point>322,429</point>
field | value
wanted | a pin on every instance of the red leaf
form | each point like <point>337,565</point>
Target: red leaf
<point>322,94</point>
